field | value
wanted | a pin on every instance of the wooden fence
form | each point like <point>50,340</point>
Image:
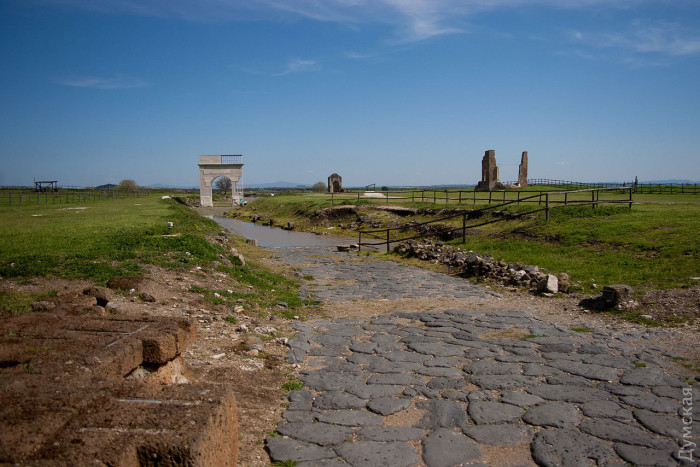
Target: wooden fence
<point>28,197</point>
<point>546,202</point>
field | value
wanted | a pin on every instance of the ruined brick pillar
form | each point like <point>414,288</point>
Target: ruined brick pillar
<point>489,172</point>
<point>522,171</point>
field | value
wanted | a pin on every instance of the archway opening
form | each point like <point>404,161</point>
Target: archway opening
<point>222,189</point>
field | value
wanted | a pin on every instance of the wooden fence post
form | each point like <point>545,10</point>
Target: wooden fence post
<point>630,198</point>
<point>546,207</point>
<point>464,228</point>
<point>387,240</point>
<point>446,197</point>
<point>460,197</point>
<point>359,242</point>
<point>593,199</point>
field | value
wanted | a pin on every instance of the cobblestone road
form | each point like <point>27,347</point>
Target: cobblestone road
<point>455,387</point>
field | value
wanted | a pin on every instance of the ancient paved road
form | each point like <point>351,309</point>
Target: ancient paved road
<point>557,397</point>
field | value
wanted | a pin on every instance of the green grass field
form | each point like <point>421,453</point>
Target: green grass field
<point>653,245</point>
<point>105,239</point>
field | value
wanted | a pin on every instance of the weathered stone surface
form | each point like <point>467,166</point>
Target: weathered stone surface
<point>641,456</point>
<point>537,369</point>
<point>438,350</point>
<point>319,433</point>
<point>550,284</point>
<point>499,435</point>
<point>653,403</point>
<point>325,381</point>
<point>446,448</point>
<point>373,391</point>
<point>612,430</point>
<point>661,423</point>
<point>649,377</point>
<point>301,395</point>
<point>396,379</point>
<point>385,366</point>
<point>441,383</point>
<point>403,356</point>
<point>372,453</point>
<point>605,409</point>
<point>521,399</point>
<point>388,405</point>
<point>336,400</point>
<point>488,367</point>
<point>556,414</point>
<point>503,382</point>
<point>554,448</point>
<point>384,434</point>
<point>493,412</point>
<point>443,414</point>
<point>350,418</point>
<point>440,371</point>
<point>283,449</point>
<point>586,370</point>
<point>560,392</point>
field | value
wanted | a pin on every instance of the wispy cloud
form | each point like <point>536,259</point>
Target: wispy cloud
<point>411,20</point>
<point>646,37</point>
<point>298,66</point>
<point>94,82</point>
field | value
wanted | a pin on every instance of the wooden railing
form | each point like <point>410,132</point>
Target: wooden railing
<point>30,197</point>
<point>546,202</point>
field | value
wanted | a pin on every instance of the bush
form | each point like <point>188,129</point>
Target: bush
<point>319,187</point>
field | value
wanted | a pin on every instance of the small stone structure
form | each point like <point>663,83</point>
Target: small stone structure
<point>489,172</point>
<point>522,171</point>
<point>335,183</point>
<point>212,167</point>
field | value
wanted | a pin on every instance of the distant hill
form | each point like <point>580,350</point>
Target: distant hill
<point>275,185</point>
<point>667,182</point>
<point>108,186</point>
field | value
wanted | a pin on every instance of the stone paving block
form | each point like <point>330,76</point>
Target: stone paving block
<point>567,393</point>
<point>587,370</point>
<point>388,405</point>
<point>443,414</point>
<point>501,382</point>
<point>488,367</point>
<point>446,448</point>
<point>384,434</point>
<point>396,379</point>
<point>385,366</point>
<point>283,449</point>
<point>621,389</point>
<point>605,409</point>
<point>649,377</point>
<point>374,454</point>
<point>319,433</point>
<point>403,356</point>
<point>570,380</point>
<point>641,456</point>
<point>664,424</point>
<point>555,414</point>
<point>320,380</point>
<point>484,412</point>
<point>499,435</point>
<point>438,350</point>
<point>445,362</point>
<point>521,399</point>
<point>336,400</point>
<point>373,391</point>
<point>653,403</point>
<point>350,418</point>
<point>440,371</point>
<point>613,430</point>
<point>441,383</point>
<point>538,369</point>
<point>300,395</point>
<point>561,447</point>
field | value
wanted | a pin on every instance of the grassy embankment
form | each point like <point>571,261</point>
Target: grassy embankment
<point>105,239</point>
<point>654,246</point>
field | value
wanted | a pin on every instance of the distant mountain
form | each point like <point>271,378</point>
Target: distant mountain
<point>275,185</point>
<point>667,182</point>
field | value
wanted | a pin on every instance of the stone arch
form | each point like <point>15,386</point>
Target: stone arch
<point>213,167</point>
<point>335,183</point>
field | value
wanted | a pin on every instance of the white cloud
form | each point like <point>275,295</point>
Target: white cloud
<point>298,66</point>
<point>645,36</point>
<point>118,82</point>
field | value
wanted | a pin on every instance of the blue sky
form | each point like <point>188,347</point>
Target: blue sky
<point>392,92</point>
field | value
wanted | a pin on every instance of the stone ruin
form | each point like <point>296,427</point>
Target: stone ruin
<point>335,183</point>
<point>522,171</point>
<point>489,172</point>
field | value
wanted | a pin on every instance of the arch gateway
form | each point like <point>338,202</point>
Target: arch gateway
<point>212,167</point>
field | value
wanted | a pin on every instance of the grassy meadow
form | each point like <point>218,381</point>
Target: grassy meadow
<point>654,245</point>
<point>105,239</point>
